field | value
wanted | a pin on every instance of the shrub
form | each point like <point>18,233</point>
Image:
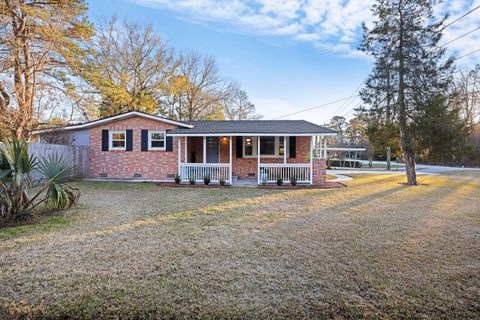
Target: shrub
<point>293,180</point>
<point>222,181</point>
<point>206,180</point>
<point>191,180</point>
<point>16,197</point>
<point>279,181</point>
<point>178,179</point>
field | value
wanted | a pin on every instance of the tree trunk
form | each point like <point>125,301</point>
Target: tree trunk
<point>408,157</point>
<point>405,137</point>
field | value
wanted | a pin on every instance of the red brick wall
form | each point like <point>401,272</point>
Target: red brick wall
<point>242,167</point>
<point>123,164</point>
<point>159,165</point>
<point>319,171</point>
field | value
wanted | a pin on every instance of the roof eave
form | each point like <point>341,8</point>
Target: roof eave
<point>110,119</point>
<point>240,134</point>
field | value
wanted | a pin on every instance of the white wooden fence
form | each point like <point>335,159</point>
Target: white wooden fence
<point>271,172</point>
<point>197,171</point>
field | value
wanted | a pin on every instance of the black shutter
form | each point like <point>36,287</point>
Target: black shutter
<point>144,143</point>
<point>239,146</point>
<point>169,143</point>
<point>129,143</point>
<point>104,140</point>
<point>292,147</point>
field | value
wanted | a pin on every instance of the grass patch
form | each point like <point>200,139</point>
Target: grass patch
<point>40,225</point>
<point>378,249</point>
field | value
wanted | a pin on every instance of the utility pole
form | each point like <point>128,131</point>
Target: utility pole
<point>389,156</point>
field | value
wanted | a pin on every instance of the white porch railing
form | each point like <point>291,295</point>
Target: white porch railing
<point>198,171</point>
<point>270,172</point>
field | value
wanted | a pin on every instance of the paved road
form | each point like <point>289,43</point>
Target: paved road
<point>421,169</point>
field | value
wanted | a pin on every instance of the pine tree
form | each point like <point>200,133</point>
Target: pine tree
<point>410,70</point>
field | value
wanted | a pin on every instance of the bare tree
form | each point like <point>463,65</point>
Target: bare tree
<point>238,106</point>
<point>130,67</point>
<point>203,87</point>
<point>40,41</point>
<point>467,95</point>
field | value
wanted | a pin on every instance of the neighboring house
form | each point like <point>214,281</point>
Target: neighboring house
<point>136,145</point>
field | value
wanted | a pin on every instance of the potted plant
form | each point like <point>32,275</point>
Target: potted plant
<point>222,181</point>
<point>293,180</point>
<point>206,180</point>
<point>279,180</point>
<point>191,180</point>
<point>177,179</point>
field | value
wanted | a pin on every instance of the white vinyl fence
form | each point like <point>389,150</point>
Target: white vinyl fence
<point>77,155</point>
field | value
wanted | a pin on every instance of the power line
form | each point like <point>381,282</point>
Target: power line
<point>460,37</point>
<point>312,108</point>
<point>459,18</point>
<point>466,55</point>
<point>346,103</point>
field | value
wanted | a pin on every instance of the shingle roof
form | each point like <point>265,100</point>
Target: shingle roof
<point>288,127</point>
<point>120,116</point>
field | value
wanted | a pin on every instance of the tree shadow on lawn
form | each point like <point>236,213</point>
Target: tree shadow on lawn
<point>363,288</point>
<point>111,206</point>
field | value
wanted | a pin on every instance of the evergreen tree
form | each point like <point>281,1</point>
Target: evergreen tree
<point>410,70</point>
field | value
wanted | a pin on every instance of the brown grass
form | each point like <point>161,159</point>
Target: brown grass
<point>378,249</point>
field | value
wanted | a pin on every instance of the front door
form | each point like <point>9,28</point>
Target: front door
<point>213,150</point>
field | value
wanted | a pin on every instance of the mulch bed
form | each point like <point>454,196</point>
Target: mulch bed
<point>173,184</point>
<point>326,185</point>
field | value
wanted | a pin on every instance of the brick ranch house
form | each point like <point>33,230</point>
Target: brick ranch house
<point>136,145</point>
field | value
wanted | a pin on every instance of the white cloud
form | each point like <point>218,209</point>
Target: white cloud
<point>331,24</point>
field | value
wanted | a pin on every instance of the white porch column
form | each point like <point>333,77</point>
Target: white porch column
<point>179,155</point>
<point>311,160</point>
<point>324,147</point>
<point>231,159</point>
<point>258,159</point>
<point>285,150</point>
<point>204,150</point>
<point>319,146</point>
<point>186,153</point>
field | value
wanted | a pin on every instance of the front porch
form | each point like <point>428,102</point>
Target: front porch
<point>252,160</point>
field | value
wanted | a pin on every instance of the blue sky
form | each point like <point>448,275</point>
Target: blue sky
<point>288,55</point>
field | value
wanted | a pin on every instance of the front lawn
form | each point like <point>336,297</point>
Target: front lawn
<point>377,249</point>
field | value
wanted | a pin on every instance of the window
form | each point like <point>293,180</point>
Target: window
<point>267,146</point>
<point>156,140</point>
<point>270,147</point>
<point>117,140</point>
<point>248,146</point>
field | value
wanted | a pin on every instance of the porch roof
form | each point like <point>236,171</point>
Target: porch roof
<point>252,127</point>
